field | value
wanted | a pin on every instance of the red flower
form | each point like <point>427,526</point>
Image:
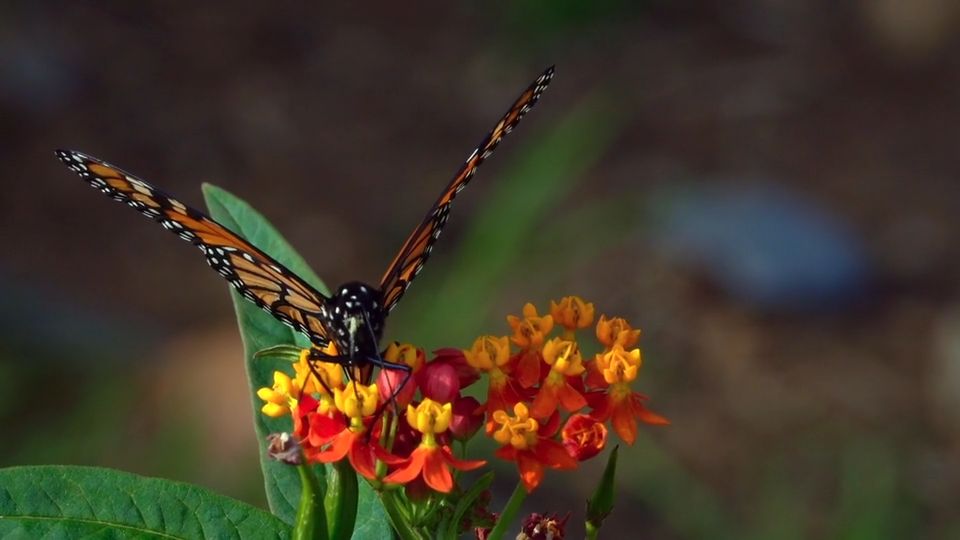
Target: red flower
<point>431,460</point>
<point>621,405</point>
<point>331,439</point>
<point>491,355</point>
<point>525,443</point>
<point>583,436</point>
<point>560,387</point>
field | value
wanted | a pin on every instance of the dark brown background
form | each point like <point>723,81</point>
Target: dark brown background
<point>796,414</point>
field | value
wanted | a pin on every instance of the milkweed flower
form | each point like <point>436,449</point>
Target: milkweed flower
<point>572,312</point>
<point>524,441</point>
<point>431,460</point>
<point>620,404</point>
<point>281,397</point>
<point>491,355</point>
<point>286,391</point>
<point>566,366</point>
<point>531,330</point>
<point>331,438</point>
<point>616,331</point>
<point>529,333</point>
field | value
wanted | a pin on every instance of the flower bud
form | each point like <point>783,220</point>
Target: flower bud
<point>572,312</point>
<point>388,384</point>
<point>583,436</point>
<point>440,382</point>
<point>468,416</point>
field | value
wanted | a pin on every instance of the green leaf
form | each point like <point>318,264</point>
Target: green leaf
<point>87,502</point>
<point>601,503</point>
<point>261,332</point>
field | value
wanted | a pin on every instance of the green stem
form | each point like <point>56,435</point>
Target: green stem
<point>341,500</point>
<point>509,513</point>
<point>593,531</point>
<point>311,523</point>
<point>399,520</point>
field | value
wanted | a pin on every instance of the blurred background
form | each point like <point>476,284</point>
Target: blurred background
<point>767,188</point>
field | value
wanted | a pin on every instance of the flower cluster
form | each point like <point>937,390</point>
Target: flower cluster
<point>547,403</point>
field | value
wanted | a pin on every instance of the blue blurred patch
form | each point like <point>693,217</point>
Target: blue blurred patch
<point>765,245</point>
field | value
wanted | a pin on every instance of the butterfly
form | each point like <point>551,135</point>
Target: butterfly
<point>353,316</point>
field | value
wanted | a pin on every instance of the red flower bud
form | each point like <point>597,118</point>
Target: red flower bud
<point>467,418</point>
<point>406,439</point>
<point>466,374</point>
<point>440,382</point>
<point>388,383</point>
<point>583,436</point>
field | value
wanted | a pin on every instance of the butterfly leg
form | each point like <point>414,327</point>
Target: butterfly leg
<point>316,356</point>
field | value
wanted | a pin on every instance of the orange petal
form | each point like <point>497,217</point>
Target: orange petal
<point>410,470</point>
<point>506,453</point>
<point>435,472</point>
<point>527,372</point>
<point>545,403</point>
<point>624,424</point>
<point>461,464</point>
<point>362,459</point>
<point>552,454</point>
<point>531,471</point>
<point>341,445</point>
<point>645,415</point>
<point>571,400</point>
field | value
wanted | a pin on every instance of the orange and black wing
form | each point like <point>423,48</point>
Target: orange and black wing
<point>415,251</point>
<point>257,276</point>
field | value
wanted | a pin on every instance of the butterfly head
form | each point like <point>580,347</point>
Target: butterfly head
<point>356,319</point>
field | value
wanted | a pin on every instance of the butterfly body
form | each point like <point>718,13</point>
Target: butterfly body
<point>355,321</point>
<point>353,317</point>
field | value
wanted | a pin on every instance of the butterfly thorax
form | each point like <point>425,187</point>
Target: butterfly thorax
<point>355,319</point>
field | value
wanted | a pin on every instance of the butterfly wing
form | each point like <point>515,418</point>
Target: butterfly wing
<point>415,251</point>
<point>257,276</point>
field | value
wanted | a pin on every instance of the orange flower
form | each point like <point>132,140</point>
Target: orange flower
<point>286,391</point>
<point>431,460</point>
<point>583,436</point>
<point>491,355</point>
<point>530,331</point>
<point>281,397</point>
<point>615,331</point>
<point>566,366</point>
<point>526,443</point>
<point>621,404</point>
<point>333,437</point>
<point>572,313</point>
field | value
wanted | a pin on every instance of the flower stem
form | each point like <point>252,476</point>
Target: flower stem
<point>399,520</point>
<point>509,513</point>
<point>593,531</point>
<point>311,522</point>
<point>341,500</point>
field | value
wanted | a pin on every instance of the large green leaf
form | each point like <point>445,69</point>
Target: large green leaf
<point>90,502</point>
<point>259,331</point>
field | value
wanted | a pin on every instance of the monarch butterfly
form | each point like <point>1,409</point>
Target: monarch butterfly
<point>353,317</point>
